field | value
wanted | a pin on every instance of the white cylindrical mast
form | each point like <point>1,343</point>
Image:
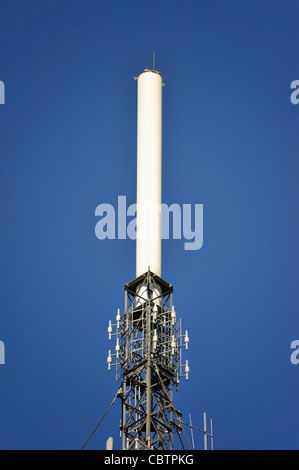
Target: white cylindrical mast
<point>149,173</point>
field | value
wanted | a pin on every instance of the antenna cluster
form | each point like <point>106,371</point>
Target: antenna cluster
<point>165,336</point>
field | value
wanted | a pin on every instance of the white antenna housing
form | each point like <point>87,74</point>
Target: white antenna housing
<point>149,173</point>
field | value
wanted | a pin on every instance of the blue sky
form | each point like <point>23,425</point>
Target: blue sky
<point>68,143</point>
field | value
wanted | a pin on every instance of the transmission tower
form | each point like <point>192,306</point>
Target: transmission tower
<point>148,360</point>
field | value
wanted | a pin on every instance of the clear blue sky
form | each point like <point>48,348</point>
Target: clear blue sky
<point>68,143</point>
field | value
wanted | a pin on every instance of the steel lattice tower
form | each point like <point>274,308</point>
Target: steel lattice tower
<point>148,360</point>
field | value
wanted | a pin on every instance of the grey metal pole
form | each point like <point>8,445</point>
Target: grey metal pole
<point>148,375</point>
<point>123,416</point>
<point>124,382</point>
<point>191,431</point>
<point>205,431</point>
